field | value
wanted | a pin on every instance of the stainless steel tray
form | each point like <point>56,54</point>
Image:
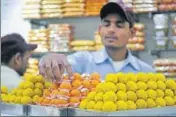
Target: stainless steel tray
<point>14,109</point>
<point>164,111</point>
<point>35,110</point>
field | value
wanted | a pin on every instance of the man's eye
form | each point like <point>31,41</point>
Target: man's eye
<point>106,23</point>
<point>120,25</point>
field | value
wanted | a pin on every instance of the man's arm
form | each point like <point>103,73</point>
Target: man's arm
<point>53,65</point>
<point>78,61</point>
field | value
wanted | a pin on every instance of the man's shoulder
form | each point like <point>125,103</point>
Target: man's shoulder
<point>144,66</point>
<point>5,70</point>
<point>80,56</point>
<point>88,56</point>
<point>87,53</point>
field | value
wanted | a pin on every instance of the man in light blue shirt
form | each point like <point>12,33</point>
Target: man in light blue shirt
<point>115,29</point>
<point>88,62</point>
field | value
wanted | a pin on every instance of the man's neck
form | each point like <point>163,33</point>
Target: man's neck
<point>117,54</point>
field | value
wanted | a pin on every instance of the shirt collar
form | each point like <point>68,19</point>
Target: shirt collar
<point>132,61</point>
<point>101,56</point>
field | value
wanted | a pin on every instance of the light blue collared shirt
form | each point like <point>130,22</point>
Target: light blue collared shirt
<point>99,61</point>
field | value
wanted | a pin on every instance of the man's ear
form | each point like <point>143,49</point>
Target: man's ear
<point>99,29</point>
<point>17,59</point>
<point>132,30</point>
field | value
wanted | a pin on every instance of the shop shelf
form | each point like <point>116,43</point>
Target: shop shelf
<point>45,21</point>
<point>157,52</point>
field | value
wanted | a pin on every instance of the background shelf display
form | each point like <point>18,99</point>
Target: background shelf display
<point>85,27</point>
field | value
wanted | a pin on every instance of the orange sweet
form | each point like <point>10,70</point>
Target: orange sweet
<point>75,92</point>
<point>95,82</point>
<point>93,89</point>
<point>76,83</point>
<point>65,77</point>
<point>46,92</point>
<point>46,101</point>
<point>55,93</point>
<point>77,76</point>
<point>85,93</point>
<point>82,98</point>
<point>40,100</point>
<point>54,86</point>
<point>64,93</point>
<point>95,76</point>
<point>65,85</point>
<point>74,100</point>
<point>86,83</point>
<point>53,101</point>
<point>60,101</point>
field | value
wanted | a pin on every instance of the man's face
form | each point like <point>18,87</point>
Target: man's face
<point>115,31</point>
<point>24,62</point>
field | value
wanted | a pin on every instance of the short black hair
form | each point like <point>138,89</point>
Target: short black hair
<point>131,16</point>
